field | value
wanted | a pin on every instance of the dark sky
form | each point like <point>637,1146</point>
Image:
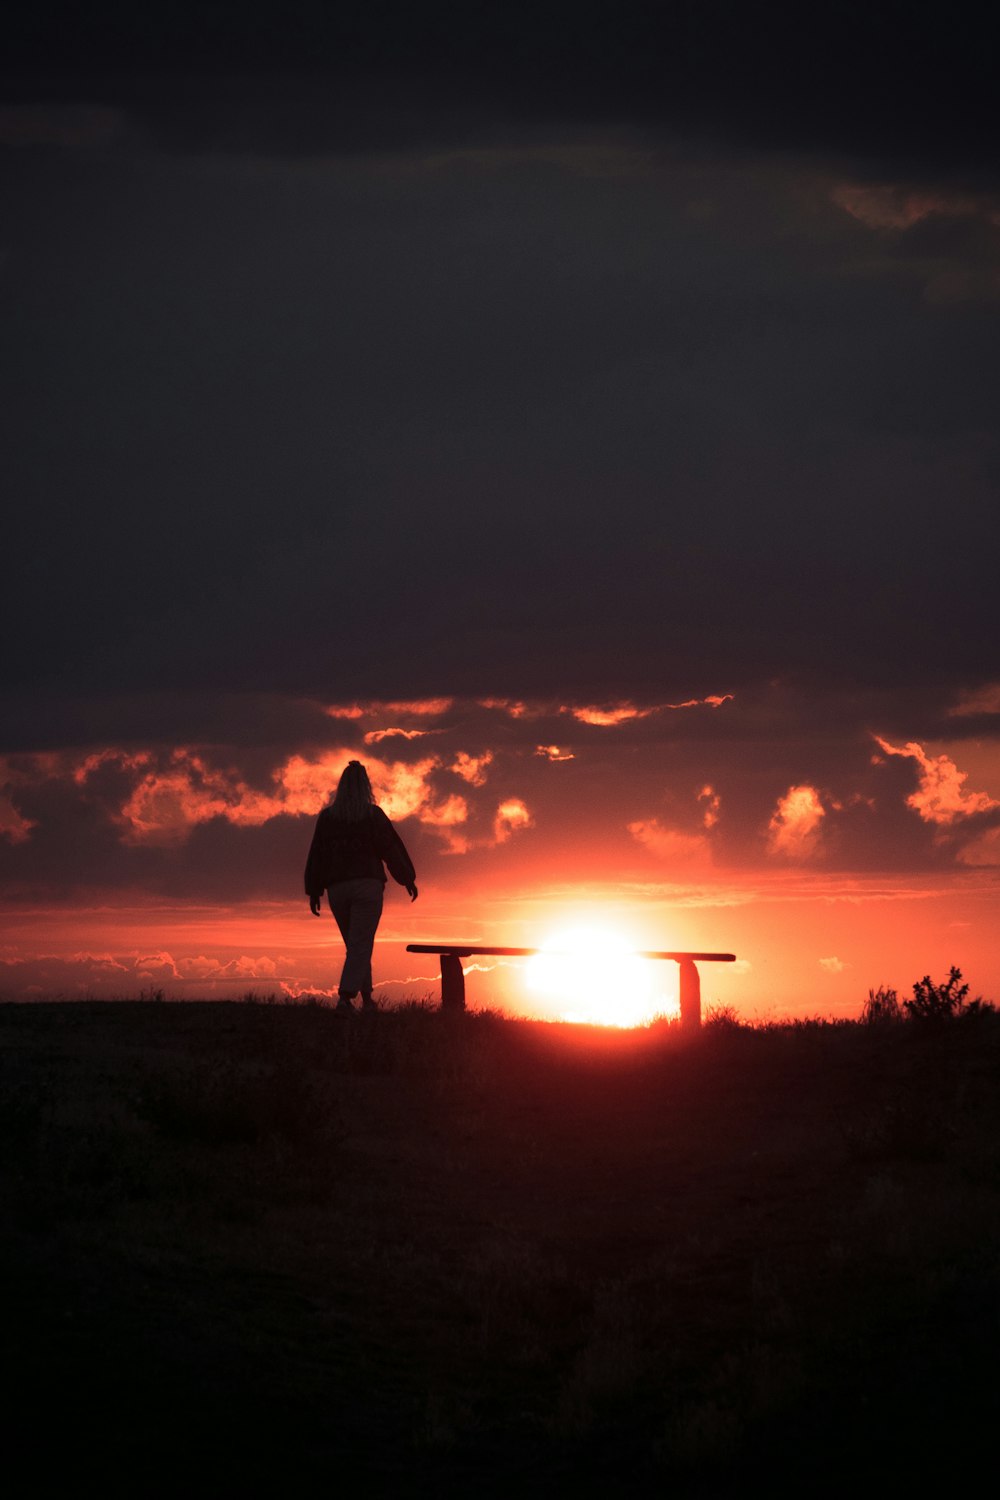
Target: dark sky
<point>509,354</point>
<point>577,354</point>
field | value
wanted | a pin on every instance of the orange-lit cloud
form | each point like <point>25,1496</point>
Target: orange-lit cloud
<point>401,788</point>
<point>714,700</point>
<point>345,711</point>
<point>609,715</point>
<point>984,700</point>
<point>511,816</point>
<point>606,717</point>
<point>127,760</point>
<point>305,784</point>
<point>833,965</point>
<point>712,802</point>
<point>162,967</point>
<point>671,844</point>
<point>794,828</point>
<point>397,707</point>
<point>429,707</point>
<point>170,799</point>
<point>375,736</point>
<point>941,796</point>
<point>554,752</point>
<point>13,825</point>
<point>166,804</point>
<point>171,794</point>
<point>453,810</point>
<point>472,768</point>
<point>515,708</point>
<point>505,705</point>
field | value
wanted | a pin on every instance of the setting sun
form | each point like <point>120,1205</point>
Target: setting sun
<point>594,975</point>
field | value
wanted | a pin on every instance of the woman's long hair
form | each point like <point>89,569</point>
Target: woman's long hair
<point>353,799</point>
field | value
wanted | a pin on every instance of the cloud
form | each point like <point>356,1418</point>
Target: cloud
<point>941,796</point>
<point>513,707</point>
<point>375,736</point>
<point>983,851</point>
<point>472,768</point>
<point>166,804</point>
<point>554,752</point>
<point>893,206</point>
<point>419,708</point>
<point>13,825</point>
<point>983,700</point>
<point>445,814</point>
<point>345,711</point>
<point>946,239</point>
<point>670,844</point>
<point>202,968</point>
<point>306,781</point>
<point>77,973</point>
<point>177,791</point>
<point>714,700</point>
<point>85,972</point>
<point>156,966</point>
<point>402,788</point>
<point>610,715</point>
<point>794,828</point>
<point>110,756</point>
<point>833,965</point>
<point>173,793</point>
<point>710,797</point>
<point>511,816</point>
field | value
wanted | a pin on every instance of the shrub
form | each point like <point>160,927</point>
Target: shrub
<point>938,1002</point>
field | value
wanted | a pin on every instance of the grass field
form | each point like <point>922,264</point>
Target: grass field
<point>252,1245</point>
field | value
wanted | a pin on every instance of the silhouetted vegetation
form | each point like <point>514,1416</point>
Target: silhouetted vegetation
<point>882,1007</point>
<point>943,1002</point>
<point>256,1243</point>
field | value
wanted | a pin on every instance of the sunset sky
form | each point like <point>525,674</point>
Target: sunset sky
<point>588,422</point>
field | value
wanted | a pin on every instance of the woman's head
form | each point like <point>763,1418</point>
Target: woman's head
<point>353,798</point>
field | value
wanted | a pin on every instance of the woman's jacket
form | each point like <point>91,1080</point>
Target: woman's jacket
<point>343,850</point>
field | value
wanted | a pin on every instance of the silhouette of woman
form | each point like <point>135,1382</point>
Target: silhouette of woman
<point>352,841</point>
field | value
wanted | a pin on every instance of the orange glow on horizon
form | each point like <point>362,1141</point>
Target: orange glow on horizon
<point>807,943</point>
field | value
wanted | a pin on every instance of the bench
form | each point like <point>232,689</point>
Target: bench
<point>453,977</point>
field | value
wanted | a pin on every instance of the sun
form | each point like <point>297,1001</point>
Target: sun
<point>593,974</point>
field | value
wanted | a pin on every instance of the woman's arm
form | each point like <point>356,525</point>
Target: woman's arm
<point>314,882</point>
<point>393,852</point>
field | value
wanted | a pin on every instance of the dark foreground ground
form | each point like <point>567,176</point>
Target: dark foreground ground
<point>250,1248</point>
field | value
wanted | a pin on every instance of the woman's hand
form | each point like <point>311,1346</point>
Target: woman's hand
<point>411,891</point>
<point>314,906</point>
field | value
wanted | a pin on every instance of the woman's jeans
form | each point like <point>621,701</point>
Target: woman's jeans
<point>357,906</point>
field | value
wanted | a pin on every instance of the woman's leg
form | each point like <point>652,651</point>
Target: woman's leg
<point>340,904</point>
<point>357,907</point>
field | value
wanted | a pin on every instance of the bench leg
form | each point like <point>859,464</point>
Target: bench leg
<point>690,994</point>
<point>452,983</point>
